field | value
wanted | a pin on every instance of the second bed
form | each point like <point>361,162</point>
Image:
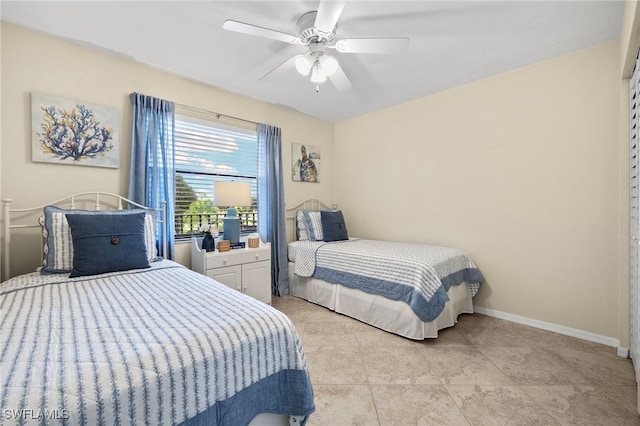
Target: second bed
<point>412,290</point>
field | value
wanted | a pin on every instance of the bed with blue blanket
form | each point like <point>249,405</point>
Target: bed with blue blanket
<point>154,344</point>
<point>412,290</point>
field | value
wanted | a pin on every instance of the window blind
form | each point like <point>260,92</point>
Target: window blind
<point>205,152</point>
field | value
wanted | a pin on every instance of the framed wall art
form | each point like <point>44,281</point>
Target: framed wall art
<point>67,131</point>
<point>306,163</point>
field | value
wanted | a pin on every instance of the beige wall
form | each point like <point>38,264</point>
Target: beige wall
<point>33,62</point>
<point>520,170</point>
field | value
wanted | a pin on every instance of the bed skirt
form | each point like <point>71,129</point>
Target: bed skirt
<point>389,315</point>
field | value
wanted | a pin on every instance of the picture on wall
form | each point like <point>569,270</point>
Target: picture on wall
<point>306,163</point>
<point>67,131</point>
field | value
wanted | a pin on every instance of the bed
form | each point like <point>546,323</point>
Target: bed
<point>148,343</point>
<point>412,290</point>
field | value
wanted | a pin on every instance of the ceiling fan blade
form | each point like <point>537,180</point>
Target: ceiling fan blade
<point>281,69</point>
<point>340,80</point>
<point>373,45</point>
<point>328,14</point>
<point>254,30</point>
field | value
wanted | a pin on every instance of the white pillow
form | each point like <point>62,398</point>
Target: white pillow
<point>314,225</point>
<point>303,229</point>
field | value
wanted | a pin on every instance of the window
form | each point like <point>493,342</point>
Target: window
<point>207,151</point>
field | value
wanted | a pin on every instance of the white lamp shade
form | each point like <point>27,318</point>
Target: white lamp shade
<point>317,74</point>
<point>304,64</point>
<point>229,194</point>
<point>329,64</point>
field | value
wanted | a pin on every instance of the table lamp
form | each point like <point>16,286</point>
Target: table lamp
<point>231,194</point>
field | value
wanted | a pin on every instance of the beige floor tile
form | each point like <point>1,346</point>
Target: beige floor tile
<point>463,366</point>
<point>371,336</point>
<point>330,333</point>
<point>623,395</point>
<point>482,330</point>
<point>599,366</point>
<point>533,366</point>
<point>416,405</point>
<point>581,405</point>
<point>292,307</point>
<point>335,365</point>
<point>343,405</point>
<point>499,405</point>
<point>397,365</point>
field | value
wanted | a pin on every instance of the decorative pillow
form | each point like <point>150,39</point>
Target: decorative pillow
<point>333,225</point>
<point>58,247</point>
<point>314,224</point>
<point>303,228</point>
<point>107,243</point>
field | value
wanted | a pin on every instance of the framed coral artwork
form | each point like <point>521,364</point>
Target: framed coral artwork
<point>306,163</point>
<point>67,131</point>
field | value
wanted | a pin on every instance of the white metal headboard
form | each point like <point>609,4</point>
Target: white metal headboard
<point>31,215</point>
<point>308,204</point>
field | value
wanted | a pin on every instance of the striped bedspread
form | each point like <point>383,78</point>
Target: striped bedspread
<point>417,274</point>
<point>159,346</point>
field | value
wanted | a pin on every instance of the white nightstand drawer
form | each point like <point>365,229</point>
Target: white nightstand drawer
<point>256,255</point>
<point>247,270</point>
<point>218,260</point>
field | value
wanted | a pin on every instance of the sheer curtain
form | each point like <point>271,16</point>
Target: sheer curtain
<point>271,207</point>
<point>152,175</point>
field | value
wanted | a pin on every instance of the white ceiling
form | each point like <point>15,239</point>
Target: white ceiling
<point>452,42</point>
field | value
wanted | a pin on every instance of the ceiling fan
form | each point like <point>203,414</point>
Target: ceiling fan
<point>316,31</point>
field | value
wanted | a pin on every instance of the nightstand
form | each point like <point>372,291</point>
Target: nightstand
<point>247,270</point>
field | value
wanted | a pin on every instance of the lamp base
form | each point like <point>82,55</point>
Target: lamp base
<point>231,229</point>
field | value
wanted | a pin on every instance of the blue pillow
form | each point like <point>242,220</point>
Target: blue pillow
<point>58,247</point>
<point>107,243</point>
<point>333,226</point>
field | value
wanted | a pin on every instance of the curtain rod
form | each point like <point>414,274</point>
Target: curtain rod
<point>217,114</point>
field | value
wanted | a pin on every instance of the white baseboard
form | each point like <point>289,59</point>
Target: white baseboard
<point>560,329</point>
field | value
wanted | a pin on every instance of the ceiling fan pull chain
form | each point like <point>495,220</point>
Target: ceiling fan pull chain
<point>317,88</point>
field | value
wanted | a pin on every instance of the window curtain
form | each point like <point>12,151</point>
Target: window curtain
<point>152,174</point>
<point>271,207</point>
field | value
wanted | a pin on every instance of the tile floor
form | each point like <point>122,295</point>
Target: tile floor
<point>483,371</point>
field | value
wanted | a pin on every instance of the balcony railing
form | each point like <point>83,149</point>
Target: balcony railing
<point>189,224</point>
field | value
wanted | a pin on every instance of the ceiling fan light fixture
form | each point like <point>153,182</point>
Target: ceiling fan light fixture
<point>329,64</point>
<point>304,64</point>
<point>317,74</point>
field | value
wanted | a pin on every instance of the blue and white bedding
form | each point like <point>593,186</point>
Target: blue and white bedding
<point>419,275</point>
<point>156,346</point>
